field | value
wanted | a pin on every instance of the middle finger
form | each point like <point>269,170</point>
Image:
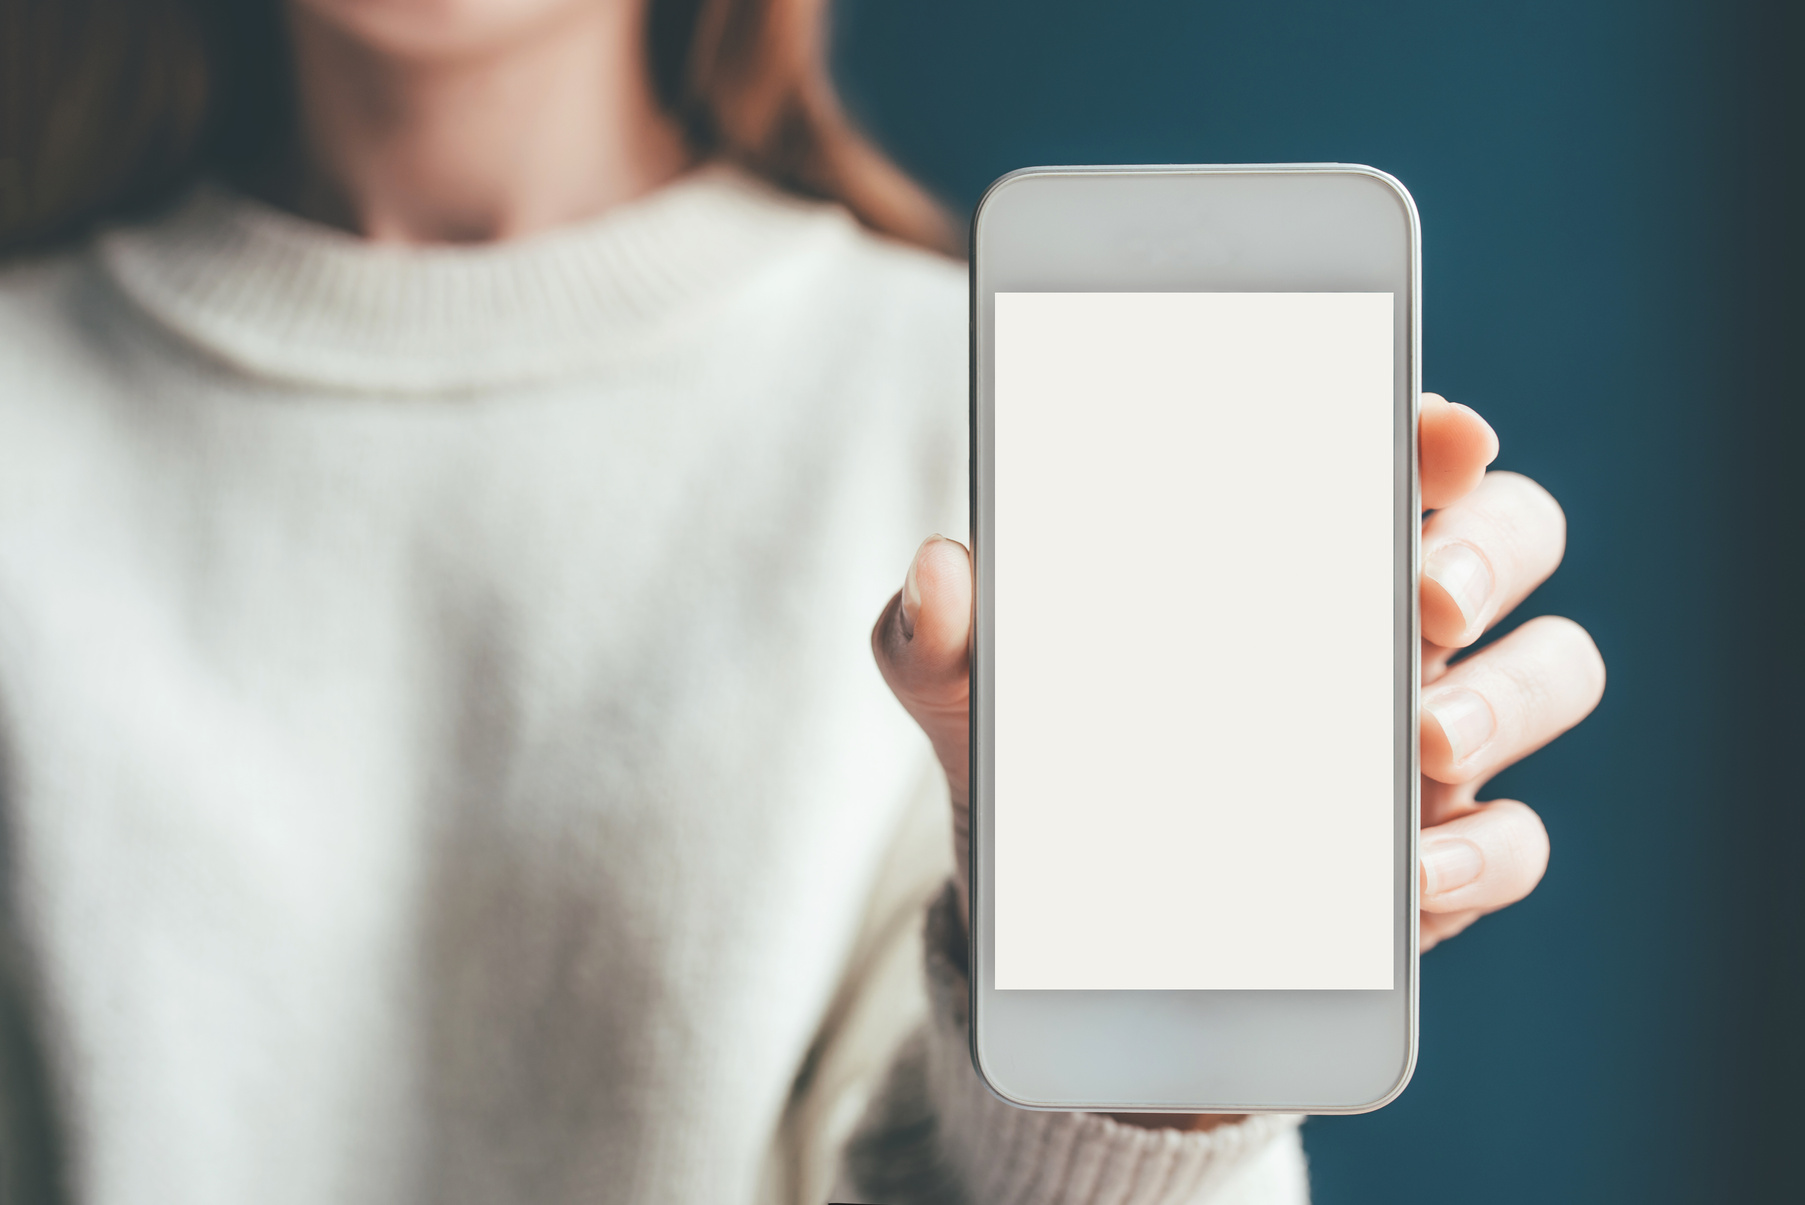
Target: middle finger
<point>1484,554</point>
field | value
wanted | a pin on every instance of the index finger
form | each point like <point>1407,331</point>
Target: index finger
<point>1453,447</point>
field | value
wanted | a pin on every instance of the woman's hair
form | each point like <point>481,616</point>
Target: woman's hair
<point>109,107</point>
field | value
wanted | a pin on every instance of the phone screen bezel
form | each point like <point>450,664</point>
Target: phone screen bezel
<point>1208,228</point>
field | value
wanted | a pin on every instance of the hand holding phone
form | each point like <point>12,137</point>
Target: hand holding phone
<point>1127,1045</point>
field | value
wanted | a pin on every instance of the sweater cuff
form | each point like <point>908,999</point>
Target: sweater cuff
<point>1003,1155</point>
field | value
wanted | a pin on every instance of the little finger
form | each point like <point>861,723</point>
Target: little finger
<point>1485,860</point>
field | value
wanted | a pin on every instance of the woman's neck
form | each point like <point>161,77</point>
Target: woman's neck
<point>551,126</point>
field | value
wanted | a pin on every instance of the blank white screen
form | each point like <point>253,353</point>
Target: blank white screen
<point>1193,640</point>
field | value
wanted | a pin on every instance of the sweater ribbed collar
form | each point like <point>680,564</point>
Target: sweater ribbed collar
<point>286,299</point>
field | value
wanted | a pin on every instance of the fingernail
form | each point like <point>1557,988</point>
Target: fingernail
<point>911,591</point>
<point>1465,575</point>
<point>1450,863</point>
<point>1466,719</point>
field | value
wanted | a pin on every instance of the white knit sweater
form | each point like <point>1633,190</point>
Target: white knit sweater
<point>440,755</point>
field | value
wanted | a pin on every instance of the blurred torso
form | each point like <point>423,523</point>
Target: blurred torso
<point>442,756</point>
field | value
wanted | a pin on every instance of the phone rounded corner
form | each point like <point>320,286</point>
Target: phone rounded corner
<point>1405,1075</point>
<point>988,1080</point>
<point>990,193</point>
<point>1391,182</point>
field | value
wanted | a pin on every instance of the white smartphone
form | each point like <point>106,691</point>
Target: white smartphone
<point>1194,664</point>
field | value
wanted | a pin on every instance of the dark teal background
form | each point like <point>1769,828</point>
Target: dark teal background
<point>1608,191</point>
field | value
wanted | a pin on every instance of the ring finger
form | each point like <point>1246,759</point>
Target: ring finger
<point>1508,700</point>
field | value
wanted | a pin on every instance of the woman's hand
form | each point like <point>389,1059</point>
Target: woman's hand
<point>1493,538</point>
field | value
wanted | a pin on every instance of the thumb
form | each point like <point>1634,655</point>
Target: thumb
<point>921,642</point>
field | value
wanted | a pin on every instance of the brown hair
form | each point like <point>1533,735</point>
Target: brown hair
<point>109,107</point>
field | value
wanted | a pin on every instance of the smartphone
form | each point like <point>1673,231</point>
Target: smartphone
<point>1195,657</point>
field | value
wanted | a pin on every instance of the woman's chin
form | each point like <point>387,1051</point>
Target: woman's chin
<point>443,29</point>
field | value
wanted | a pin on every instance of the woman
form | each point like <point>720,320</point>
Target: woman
<point>450,454</point>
